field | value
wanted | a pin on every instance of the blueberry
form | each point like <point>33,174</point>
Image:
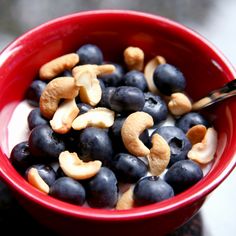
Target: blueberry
<point>106,95</point>
<point>114,79</point>
<point>34,92</point>
<point>90,54</point>
<point>102,190</point>
<point>156,107</point>
<point>115,134</point>
<point>128,168</point>
<point>189,120</point>
<point>60,173</point>
<point>55,165</point>
<point>183,174</point>
<point>116,128</point>
<point>35,118</point>
<point>168,79</point>
<point>102,85</point>
<point>127,99</point>
<point>68,190</point>
<point>20,157</point>
<point>71,140</point>
<point>177,140</point>
<point>78,100</point>
<point>66,73</point>
<point>45,172</point>
<point>144,137</point>
<point>45,143</point>
<point>83,107</point>
<point>95,144</point>
<point>135,78</point>
<point>151,189</point>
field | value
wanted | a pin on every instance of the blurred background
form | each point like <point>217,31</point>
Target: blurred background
<point>214,19</point>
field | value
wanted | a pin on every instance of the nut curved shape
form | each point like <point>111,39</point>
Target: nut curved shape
<point>201,103</point>
<point>90,89</point>
<point>57,89</point>
<point>97,69</point>
<point>159,156</point>
<point>99,117</point>
<point>56,66</point>
<point>149,70</point>
<point>126,200</point>
<point>35,179</point>
<point>179,104</point>
<point>64,116</point>
<point>134,58</point>
<point>204,151</point>
<point>196,133</point>
<point>75,168</point>
<point>86,79</point>
<point>133,126</point>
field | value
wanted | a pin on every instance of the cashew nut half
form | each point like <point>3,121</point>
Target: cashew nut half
<point>159,156</point>
<point>56,66</point>
<point>64,116</point>
<point>179,104</point>
<point>57,89</point>
<point>90,89</point>
<point>75,168</point>
<point>134,58</point>
<point>100,117</point>
<point>126,200</point>
<point>204,152</point>
<point>201,103</point>
<point>35,179</point>
<point>196,134</point>
<point>133,126</point>
<point>149,70</point>
<point>97,69</point>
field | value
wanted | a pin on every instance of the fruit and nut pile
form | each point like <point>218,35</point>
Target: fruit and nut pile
<point>106,135</point>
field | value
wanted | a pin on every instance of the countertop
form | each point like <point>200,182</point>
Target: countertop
<point>214,19</point>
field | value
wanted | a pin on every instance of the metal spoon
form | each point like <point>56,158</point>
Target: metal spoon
<point>228,90</point>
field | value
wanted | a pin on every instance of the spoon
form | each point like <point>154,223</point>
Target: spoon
<point>228,90</point>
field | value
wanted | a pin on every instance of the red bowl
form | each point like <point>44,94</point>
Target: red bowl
<point>204,67</point>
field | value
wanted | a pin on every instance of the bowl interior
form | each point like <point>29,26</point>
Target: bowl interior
<point>204,67</point>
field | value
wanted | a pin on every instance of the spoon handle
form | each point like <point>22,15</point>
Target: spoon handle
<point>228,90</point>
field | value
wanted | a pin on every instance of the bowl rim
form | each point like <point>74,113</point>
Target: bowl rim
<point>186,198</point>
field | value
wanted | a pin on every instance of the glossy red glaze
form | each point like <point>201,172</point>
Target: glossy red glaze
<point>205,69</point>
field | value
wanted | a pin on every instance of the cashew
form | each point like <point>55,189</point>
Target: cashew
<point>56,66</point>
<point>64,116</point>
<point>126,200</point>
<point>86,77</point>
<point>35,179</point>
<point>57,89</point>
<point>133,126</point>
<point>75,168</point>
<point>134,58</point>
<point>90,89</point>
<point>201,103</point>
<point>97,69</point>
<point>196,134</point>
<point>159,156</point>
<point>204,152</point>
<point>149,70</point>
<point>100,117</point>
<point>179,104</point>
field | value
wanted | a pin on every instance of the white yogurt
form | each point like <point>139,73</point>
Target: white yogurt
<point>18,130</point>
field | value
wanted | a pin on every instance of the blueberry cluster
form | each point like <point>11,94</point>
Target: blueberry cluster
<point>123,92</point>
